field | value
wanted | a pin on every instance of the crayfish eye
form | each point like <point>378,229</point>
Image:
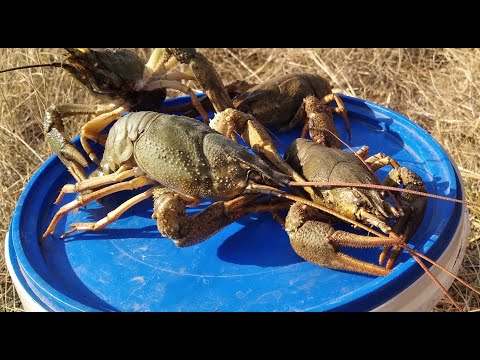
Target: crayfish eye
<point>254,176</point>
<point>360,203</point>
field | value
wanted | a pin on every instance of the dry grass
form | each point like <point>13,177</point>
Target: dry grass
<point>437,88</point>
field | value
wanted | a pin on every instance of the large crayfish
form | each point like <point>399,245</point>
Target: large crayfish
<point>184,158</point>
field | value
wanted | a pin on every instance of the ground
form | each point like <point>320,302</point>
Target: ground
<point>436,88</point>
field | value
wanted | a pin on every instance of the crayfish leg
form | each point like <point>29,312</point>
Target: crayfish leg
<point>112,216</point>
<point>120,175</point>
<point>380,160</point>
<point>83,200</point>
<point>92,129</point>
<point>173,84</point>
<point>340,109</point>
<point>319,123</point>
<point>156,64</point>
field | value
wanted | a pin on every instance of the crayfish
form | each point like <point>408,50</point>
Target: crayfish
<point>279,103</point>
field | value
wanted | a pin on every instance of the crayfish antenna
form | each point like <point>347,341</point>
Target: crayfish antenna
<point>420,255</point>
<point>55,64</point>
<point>435,280</point>
<point>417,255</point>
<point>375,186</point>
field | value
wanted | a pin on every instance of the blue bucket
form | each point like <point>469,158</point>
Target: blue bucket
<point>248,266</point>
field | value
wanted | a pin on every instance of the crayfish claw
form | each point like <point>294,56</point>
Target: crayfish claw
<point>318,242</point>
<point>413,208</point>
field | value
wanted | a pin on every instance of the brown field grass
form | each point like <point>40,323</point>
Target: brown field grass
<point>437,88</point>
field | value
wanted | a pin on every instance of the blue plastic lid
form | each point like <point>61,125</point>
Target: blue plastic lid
<point>248,266</point>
